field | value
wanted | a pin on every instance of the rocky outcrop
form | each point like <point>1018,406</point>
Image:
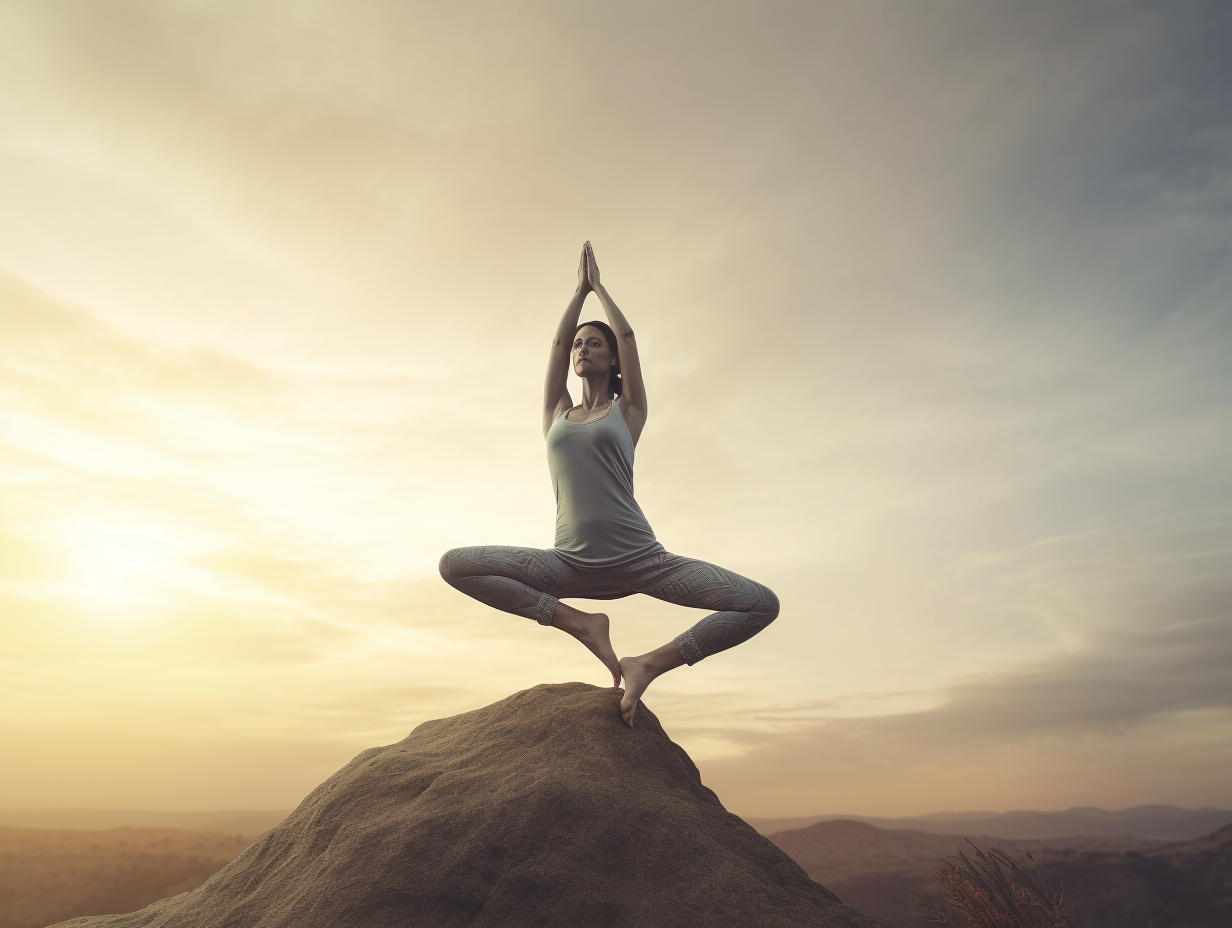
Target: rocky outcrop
<point>542,809</point>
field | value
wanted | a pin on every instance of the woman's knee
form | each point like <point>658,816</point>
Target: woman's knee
<point>768,605</point>
<point>451,565</point>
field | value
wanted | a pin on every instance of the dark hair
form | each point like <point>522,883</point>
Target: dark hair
<point>613,382</point>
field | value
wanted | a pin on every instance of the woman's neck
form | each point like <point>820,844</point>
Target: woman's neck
<point>594,396</point>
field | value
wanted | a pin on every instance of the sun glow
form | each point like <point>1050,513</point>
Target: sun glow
<point>117,563</point>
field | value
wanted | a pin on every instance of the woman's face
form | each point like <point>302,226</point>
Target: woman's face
<point>590,353</point>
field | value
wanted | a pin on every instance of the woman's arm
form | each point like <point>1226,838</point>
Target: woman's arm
<point>556,397</point>
<point>633,401</point>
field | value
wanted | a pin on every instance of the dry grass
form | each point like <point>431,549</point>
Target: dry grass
<point>992,891</point>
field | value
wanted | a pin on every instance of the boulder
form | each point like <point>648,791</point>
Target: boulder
<point>542,809</point>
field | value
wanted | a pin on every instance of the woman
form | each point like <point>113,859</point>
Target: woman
<point>605,548</point>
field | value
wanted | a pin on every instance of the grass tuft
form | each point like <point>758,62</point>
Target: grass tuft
<point>992,891</point>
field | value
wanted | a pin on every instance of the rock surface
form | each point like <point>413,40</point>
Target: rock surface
<point>542,809</point>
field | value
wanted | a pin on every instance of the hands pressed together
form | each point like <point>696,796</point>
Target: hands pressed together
<point>588,270</point>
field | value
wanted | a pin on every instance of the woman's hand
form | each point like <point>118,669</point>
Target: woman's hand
<point>583,276</point>
<point>592,269</point>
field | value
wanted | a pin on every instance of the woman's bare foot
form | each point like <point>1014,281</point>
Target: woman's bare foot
<point>640,672</point>
<point>590,628</point>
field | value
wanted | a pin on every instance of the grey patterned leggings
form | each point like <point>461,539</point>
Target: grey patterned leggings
<point>529,581</point>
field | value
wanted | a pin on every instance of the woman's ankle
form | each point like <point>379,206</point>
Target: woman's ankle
<point>661,659</point>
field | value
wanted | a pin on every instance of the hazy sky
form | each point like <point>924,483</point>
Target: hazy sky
<point>933,300</point>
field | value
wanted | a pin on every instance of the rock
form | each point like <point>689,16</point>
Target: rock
<point>542,809</point>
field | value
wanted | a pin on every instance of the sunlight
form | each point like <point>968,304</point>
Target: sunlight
<point>113,559</point>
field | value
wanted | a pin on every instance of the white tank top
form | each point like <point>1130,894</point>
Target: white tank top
<point>598,522</point>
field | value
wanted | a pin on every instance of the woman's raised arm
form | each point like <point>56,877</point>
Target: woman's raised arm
<point>633,401</point>
<point>556,397</point>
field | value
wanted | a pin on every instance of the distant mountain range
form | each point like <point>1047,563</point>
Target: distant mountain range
<point>1164,823</point>
<point>250,822</point>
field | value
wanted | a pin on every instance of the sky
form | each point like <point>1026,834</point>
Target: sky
<point>934,305</point>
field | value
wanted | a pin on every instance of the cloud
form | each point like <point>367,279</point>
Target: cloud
<point>1138,675</point>
<point>67,366</point>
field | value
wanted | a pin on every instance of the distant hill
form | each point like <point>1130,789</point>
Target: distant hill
<point>1108,881</point>
<point>1164,823</point>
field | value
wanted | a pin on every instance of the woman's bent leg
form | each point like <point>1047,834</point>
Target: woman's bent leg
<point>528,582</point>
<point>744,606</point>
<point>515,580</point>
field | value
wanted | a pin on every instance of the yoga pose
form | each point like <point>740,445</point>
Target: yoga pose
<point>605,548</point>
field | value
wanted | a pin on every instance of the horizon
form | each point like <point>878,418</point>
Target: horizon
<point>934,305</point>
<point>6,810</point>
<point>1158,824</point>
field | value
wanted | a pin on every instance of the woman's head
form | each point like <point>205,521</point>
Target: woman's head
<point>594,349</point>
